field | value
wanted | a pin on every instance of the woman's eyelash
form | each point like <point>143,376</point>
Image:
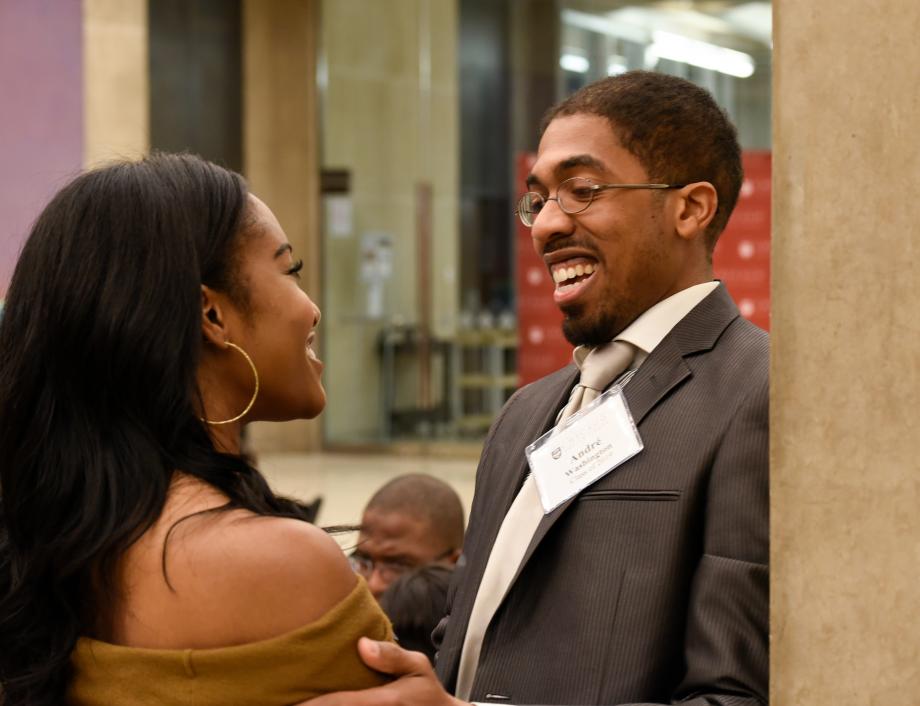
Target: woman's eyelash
<point>296,268</point>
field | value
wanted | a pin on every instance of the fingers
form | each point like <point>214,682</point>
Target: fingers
<point>416,684</point>
<point>369,697</point>
<point>389,658</point>
<point>338,699</point>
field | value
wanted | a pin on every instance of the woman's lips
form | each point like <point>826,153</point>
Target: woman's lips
<point>311,354</point>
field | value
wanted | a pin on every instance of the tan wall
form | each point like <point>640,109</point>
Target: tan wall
<point>846,354</point>
<point>280,153</point>
<point>390,117</point>
<point>116,80</point>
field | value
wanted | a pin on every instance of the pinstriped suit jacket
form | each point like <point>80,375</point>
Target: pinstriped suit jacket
<point>651,586</point>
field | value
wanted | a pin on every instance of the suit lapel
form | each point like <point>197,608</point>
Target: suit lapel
<point>509,462</point>
<point>663,371</point>
<point>541,422</point>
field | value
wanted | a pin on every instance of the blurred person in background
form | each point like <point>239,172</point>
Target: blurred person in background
<point>415,603</point>
<point>413,520</point>
<point>155,308</point>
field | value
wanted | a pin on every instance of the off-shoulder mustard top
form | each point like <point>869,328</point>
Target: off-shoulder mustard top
<point>316,659</point>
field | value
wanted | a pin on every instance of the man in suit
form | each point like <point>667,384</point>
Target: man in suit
<point>651,584</point>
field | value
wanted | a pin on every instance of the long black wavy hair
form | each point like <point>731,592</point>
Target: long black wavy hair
<point>99,345</point>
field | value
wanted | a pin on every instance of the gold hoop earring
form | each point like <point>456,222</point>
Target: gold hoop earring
<point>254,394</point>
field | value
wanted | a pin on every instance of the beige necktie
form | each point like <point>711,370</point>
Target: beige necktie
<point>599,368</point>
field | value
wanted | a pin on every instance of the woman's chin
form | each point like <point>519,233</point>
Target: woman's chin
<point>299,409</point>
<point>311,406</point>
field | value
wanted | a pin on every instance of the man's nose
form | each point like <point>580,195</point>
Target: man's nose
<point>376,583</point>
<point>552,221</point>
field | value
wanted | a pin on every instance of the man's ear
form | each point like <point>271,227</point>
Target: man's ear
<point>698,204</point>
<point>213,323</point>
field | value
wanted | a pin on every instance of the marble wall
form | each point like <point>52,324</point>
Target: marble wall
<point>846,354</point>
<point>389,116</point>
<point>116,95</point>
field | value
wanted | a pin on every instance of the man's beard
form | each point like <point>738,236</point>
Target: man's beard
<point>584,328</point>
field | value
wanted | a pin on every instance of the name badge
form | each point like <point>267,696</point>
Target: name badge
<point>583,448</point>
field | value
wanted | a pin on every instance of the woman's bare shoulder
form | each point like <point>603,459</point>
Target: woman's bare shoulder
<point>238,577</point>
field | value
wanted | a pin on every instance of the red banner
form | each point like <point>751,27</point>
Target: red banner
<point>541,346</point>
<point>742,256</point>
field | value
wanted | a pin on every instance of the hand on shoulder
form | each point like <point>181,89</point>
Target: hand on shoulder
<point>415,683</point>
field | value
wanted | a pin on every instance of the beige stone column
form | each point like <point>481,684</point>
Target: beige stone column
<point>846,354</point>
<point>280,152</point>
<point>116,80</point>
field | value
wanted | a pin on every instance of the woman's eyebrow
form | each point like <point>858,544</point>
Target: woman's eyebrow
<point>283,249</point>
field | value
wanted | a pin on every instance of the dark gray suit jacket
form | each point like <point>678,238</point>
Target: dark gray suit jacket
<point>651,585</point>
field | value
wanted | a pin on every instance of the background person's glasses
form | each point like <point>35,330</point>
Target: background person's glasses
<point>573,196</point>
<point>388,570</point>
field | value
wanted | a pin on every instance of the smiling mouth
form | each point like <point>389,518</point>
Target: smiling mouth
<point>310,352</point>
<point>570,276</point>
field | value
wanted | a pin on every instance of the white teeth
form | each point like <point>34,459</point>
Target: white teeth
<point>562,274</point>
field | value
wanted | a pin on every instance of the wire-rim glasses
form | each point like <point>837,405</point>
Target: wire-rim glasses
<point>573,195</point>
<point>388,569</point>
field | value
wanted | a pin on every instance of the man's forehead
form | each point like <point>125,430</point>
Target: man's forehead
<point>392,524</point>
<point>581,141</point>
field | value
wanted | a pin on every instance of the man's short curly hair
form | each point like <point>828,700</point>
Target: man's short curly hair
<point>673,127</point>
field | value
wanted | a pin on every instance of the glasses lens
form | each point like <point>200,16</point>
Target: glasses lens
<point>392,570</point>
<point>529,206</point>
<point>361,565</point>
<point>575,194</point>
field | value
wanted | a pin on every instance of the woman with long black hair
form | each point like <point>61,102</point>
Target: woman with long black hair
<point>155,309</point>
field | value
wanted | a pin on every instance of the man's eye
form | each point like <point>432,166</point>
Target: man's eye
<point>536,205</point>
<point>582,193</point>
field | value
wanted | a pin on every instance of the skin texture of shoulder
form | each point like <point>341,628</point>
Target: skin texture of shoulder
<point>231,578</point>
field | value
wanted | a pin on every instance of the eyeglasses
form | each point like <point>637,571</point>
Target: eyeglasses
<point>573,195</point>
<point>388,570</point>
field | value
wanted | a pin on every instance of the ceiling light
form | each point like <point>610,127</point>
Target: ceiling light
<point>573,62</point>
<point>675,47</point>
<point>616,66</point>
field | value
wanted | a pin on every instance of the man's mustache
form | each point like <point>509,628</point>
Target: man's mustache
<point>568,242</point>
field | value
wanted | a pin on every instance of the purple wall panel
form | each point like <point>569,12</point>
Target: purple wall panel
<point>41,113</point>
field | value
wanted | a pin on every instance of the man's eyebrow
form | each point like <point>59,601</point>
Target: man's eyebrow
<point>399,559</point>
<point>283,249</point>
<point>578,160</point>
